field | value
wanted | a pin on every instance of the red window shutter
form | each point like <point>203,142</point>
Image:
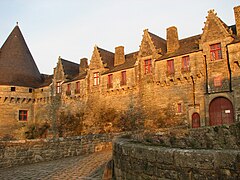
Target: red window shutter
<point>69,87</point>
<point>124,78</point>
<point>110,83</point>
<point>170,66</point>
<point>185,63</point>
<point>77,85</point>
<point>217,81</point>
<point>179,110</point>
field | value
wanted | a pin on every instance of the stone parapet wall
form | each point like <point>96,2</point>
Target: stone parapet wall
<point>134,160</point>
<point>212,137</point>
<point>14,153</point>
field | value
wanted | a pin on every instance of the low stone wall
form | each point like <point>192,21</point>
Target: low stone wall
<point>204,153</point>
<point>14,153</point>
<point>140,161</point>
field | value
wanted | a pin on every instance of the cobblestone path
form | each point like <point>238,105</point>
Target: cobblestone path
<point>78,167</point>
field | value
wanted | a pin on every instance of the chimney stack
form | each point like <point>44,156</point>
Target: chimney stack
<point>237,19</point>
<point>83,65</point>
<point>119,57</point>
<point>172,39</point>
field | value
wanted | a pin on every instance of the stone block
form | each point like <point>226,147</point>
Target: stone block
<point>199,159</point>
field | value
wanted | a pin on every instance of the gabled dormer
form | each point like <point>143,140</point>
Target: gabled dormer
<point>65,70</point>
<point>101,59</point>
<point>214,29</point>
<point>152,45</point>
<point>214,40</point>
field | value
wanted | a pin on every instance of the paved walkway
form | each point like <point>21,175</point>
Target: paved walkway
<point>78,167</point>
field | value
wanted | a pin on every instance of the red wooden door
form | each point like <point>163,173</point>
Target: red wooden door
<point>195,120</point>
<point>220,111</point>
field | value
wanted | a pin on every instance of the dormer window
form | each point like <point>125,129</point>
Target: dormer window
<point>68,92</point>
<point>96,79</point>
<point>58,88</point>
<point>148,66</point>
<point>215,51</point>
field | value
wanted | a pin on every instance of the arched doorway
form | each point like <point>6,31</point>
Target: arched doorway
<point>195,120</point>
<point>220,111</point>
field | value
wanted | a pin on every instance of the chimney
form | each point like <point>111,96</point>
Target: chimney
<point>172,39</point>
<point>119,57</point>
<point>83,65</point>
<point>237,19</point>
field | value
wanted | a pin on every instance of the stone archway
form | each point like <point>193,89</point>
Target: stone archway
<point>220,111</point>
<point>195,120</point>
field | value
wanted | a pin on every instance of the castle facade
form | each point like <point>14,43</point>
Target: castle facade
<point>196,78</point>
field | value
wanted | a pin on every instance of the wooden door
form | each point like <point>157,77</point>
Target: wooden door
<point>220,111</point>
<point>195,120</point>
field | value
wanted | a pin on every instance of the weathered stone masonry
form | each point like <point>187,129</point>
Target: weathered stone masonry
<point>208,154</point>
<point>13,153</point>
<point>197,77</point>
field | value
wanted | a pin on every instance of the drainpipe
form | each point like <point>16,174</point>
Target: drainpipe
<point>193,91</point>
<point>206,106</point>
<point>229,70</point>
<point>206,71</point>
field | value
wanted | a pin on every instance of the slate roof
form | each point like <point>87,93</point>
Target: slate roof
<point>107,57</point>
<point>80,76</point>
<point>159,42</point>
<point>187,45</point>
<point>70,69</point>
<point>47,80</point>
<point>17,66</point>
<point>130,60</point>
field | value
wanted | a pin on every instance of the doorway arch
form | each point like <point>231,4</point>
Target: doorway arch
<point>195,120</point>
<point>220,111</point>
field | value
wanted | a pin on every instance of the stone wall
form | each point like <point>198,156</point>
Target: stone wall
<point>137,160</point>
<point>14,153</point>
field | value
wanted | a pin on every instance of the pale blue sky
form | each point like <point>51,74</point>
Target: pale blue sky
<point>71,28</point>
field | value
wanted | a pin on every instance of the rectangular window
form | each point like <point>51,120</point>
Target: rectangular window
<point>216,51</point>
<point>179,107</point>
<point>68,87</point>
<point>124,78</point>
<point>185,63</point>
<point>148,66</point>
<point>13,88</point>
<point>77,90</point>
<point>110,81</point>
<point>96,79</point>
<point>30,90</point>
<point>217,81</point>
<point>58,88</point>
<point>23,115</point>
<point>170,66</point>
<point>68,92</point>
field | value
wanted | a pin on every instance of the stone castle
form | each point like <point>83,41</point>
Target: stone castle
<point>196,79</point>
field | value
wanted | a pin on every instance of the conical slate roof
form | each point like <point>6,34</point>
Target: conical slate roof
<point>17,66</point>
